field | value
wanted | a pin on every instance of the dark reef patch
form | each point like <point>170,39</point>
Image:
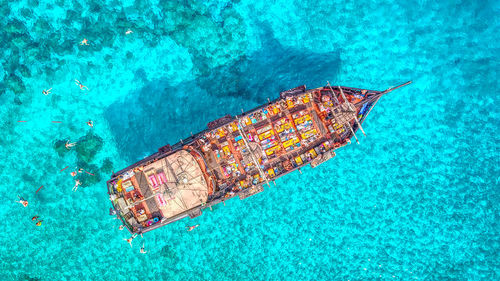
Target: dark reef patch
<point>168,252</point>
<point>88,146</point>
<point>107,166</point>
<point>60,148</point>
<point>84,177</point>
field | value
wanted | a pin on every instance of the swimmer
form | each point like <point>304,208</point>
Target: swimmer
<point>142,249</point>
<point>74,173</point>
<point>38,223</point>
<point>82,87</point>
<point>121,227</point>
<point>84,42</point>
<point>46,92</point>
<point>34,218</point>
<point>128,31</point>
<point>90,123</point>
<point>77,183</point>
<point>189,228</point>
<point>129,240</point>
<point>69,145</point>
<point>22,201</point>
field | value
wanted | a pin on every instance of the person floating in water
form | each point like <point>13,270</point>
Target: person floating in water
<point>82,87</point>
<point>77,183</point>
<point>38,222</point>
<point>22,201</point>
<point>69,145</point>
<point>84,42</point>
<point>142,249</point>
<point>46,92</point>
<point>90,123</point>
<point>74,173</point>
<point>121,227</point>
<point>130,239</point>
<point>128,31</point>
<point>189,228</point>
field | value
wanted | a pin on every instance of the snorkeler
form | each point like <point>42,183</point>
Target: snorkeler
<point>77,183</point>
<point>84,42</point>
<point>46,92</point>
<point>129,240</point>
<point>90,123</point>
<point>128,31</point>
<point>82,87</point>
<point>38,222</point>
<point>69,145</point>
<point>74,173</point>
<point>189,228</point>
<point>142,249</point>
<point>22,201</point>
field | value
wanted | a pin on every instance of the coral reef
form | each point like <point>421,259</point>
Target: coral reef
<point>213,33</point>
<point>107,166</point>
<point>60,148</point>
<point>88,146</point>
<point>84,177</point>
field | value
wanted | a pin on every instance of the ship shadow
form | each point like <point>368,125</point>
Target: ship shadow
<point>161,113</point>
<point>273,68</point>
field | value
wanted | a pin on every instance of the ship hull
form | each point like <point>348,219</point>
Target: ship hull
<point>239,155</point>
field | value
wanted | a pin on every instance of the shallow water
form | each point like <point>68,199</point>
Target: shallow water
<point>418,199</point>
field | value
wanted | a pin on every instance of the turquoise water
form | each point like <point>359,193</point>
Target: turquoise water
<point>417,199</point>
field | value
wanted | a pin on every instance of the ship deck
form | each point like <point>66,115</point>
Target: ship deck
<point>273,139</point>
<point>163,188</point>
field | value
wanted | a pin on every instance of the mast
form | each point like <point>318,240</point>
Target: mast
<point>346,102</point>
<point>262,174</point>
<point>350,106</point>
<point>352,131</point>
<point>371,107</point>
<point>142,200</point>
<point>394,88</point>
<point>334,95</point>
<point>385,92</point>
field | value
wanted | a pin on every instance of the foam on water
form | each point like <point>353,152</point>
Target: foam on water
<point>417,199</point>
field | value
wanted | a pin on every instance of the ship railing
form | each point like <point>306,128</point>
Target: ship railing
<point>164,221</point>
<point>293,92</point>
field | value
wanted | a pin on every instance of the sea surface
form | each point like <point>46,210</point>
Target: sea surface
<point>418,199</point>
